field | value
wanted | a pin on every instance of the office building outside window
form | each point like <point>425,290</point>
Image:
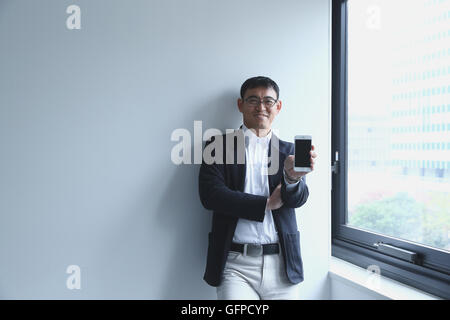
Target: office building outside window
<point>399,119</point>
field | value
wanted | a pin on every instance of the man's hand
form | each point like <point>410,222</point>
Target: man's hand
<point>289,166</point>
<point>274,201</point>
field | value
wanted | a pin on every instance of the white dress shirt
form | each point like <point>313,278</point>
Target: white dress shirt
<point>257,183</point>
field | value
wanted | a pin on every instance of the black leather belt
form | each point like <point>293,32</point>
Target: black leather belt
<point>255,249</point>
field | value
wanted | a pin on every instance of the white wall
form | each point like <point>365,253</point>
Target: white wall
<point>307,110</point>
<point>86,118</point>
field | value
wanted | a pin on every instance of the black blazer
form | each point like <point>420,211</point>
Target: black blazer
<point>221,190</point>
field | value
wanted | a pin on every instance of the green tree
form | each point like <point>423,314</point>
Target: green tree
<point>436,220</point>
<point>398,216</point>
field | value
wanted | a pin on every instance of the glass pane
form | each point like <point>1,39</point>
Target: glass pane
<point>399,119</point>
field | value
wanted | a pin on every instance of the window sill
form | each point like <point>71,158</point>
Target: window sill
<point>380,287</point>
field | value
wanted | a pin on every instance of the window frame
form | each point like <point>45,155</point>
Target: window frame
<point>354,245</point>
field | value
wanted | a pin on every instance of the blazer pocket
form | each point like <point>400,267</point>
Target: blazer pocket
<point>213,251</point>
<point>216,253</point>
<point>293,259</point>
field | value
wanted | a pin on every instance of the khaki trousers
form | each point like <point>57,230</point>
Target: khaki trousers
<point>256,278</point>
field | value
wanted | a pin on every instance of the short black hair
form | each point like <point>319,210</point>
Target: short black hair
<point>257,82</point>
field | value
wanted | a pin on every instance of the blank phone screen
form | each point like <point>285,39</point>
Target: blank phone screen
<point>302,156</point>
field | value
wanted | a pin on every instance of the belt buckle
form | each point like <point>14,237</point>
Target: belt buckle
<point>253,249</point>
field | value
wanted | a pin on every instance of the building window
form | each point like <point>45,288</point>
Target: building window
<point>406,206</point>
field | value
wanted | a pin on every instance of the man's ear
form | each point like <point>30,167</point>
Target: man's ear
<point>240,104</point>
<point>278,105</point>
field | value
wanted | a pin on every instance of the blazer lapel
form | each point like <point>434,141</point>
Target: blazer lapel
<point>274,178</point>
<point>240,167</point>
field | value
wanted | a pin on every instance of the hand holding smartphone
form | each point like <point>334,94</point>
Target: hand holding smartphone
<point>302,161</point>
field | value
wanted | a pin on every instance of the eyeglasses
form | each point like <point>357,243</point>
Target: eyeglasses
<point>267,102</point>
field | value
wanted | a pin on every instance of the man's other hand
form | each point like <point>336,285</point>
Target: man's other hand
<point>274,201</point>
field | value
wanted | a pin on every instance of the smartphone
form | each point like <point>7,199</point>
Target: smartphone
<point>302,162</point>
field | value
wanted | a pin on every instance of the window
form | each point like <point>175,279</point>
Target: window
<point>391,202</point>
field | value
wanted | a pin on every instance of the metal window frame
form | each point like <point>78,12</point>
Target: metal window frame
<point>432,273</point>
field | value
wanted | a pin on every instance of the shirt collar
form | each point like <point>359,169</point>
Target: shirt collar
<point>250,136</point>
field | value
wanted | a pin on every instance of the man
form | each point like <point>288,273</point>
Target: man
<point>254,245</point>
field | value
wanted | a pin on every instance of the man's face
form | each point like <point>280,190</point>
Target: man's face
<point>259,115</point>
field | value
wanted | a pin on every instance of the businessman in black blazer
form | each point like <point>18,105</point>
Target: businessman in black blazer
<point>249,183</point>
